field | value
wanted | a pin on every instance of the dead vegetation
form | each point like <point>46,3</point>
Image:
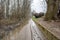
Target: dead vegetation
<point>14,17</point>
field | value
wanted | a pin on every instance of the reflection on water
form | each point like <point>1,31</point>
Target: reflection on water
<point>36,33</point>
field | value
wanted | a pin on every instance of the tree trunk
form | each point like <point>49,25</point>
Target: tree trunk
<point>52,9</point>
<point>7,9</point>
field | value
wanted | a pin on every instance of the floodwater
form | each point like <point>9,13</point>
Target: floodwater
<point>36,33</point>
<point>29,32</point>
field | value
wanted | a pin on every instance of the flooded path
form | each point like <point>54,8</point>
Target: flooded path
<point>36,33</point>
<point>29,32</point>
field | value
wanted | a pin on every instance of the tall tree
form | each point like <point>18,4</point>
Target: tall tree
<point>7,8</point>
<point>2,9</point>
<point>26,8</point>
<point>52,9</point>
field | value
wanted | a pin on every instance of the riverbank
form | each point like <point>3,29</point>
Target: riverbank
<point>50,29</point>
<point>10,27</point>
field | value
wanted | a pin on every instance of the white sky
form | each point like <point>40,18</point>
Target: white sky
<point>39,6</point>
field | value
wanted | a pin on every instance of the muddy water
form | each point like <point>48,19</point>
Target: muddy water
<point>29,32</point>
<point>36,33</point>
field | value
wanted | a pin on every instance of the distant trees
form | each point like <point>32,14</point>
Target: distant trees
<point>14,9</point>
<point>37,15</point>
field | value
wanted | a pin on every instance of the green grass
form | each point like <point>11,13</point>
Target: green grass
<point>34,19</point>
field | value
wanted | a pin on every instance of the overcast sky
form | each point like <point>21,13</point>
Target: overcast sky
<point>39,6</point>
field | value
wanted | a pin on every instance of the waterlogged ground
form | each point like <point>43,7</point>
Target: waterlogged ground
<point>28,32</point>
<point>31,32</point>
<point>36,33</point>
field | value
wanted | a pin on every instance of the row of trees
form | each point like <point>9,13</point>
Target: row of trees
<point>14,9</point>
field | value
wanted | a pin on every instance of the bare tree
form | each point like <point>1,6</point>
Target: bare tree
<point>52,8</point>
<point>2,9</point>
<point>17,9</point>
<point>7,8</point>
